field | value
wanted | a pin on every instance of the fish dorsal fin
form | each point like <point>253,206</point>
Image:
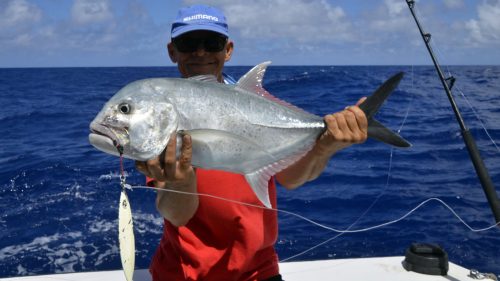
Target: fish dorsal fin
<point>205,78</point>
<point>252,82</point>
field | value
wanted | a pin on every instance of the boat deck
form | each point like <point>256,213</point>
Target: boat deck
<point>387,268</point>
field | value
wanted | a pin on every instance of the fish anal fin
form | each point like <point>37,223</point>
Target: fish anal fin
<point>259,179</point>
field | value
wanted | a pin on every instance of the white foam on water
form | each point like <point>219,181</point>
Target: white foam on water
<point>67,257</point>
<point>111,175</point>
<point>147,223</point>
<point>102,226</point>
<point>102,258</point>
<point>21,270</point>
<point>63,256</point>
<point>35,245</point>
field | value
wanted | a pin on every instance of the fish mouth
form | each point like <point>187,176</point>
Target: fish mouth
<point>105,139</point>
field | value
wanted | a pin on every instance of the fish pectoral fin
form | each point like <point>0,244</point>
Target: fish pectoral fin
<point>258,181</point>
<point>221,150</point>
<point>216,149</point>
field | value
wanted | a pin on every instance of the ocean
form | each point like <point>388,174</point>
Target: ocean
<point>59,196</point>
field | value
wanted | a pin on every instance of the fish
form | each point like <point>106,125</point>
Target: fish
<point>126,237</point>
<point>239,128</point>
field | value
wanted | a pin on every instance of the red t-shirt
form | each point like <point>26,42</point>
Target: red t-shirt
<point>223,240</point>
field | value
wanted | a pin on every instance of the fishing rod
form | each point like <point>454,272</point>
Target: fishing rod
<point>481,170</point>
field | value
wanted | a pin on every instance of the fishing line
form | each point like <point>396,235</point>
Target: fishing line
<point>349,229</point>
<point>440,54</point>
<point>478,118</point>
<point>354,223</point>
<point>389,173</point>
<point>320,225</point>
<point>376,199</point>
<point>472,149</point>
<point>450,74</point>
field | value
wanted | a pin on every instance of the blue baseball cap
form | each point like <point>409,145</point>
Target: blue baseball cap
<point>199,17</point>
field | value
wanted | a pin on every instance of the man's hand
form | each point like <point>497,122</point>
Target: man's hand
<point>344,128</point>
<point>167,170</point>
<point>173,174</point>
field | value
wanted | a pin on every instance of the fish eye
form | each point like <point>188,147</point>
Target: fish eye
<point>125,108</point>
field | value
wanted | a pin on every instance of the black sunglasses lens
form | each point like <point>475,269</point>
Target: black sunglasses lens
<point>210,44</point>
<point>215,44</point>
<point>186,44</point>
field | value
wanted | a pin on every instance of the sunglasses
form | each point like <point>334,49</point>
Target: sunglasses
<point>213,43</point>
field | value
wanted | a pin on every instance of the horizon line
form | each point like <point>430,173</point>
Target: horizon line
<point>240,65</point>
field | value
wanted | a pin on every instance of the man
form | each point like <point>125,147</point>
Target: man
<point>209,239</point>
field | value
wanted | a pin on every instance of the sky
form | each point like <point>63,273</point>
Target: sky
<point>81,33</point>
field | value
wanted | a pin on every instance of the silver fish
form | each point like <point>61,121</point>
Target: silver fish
<point>239,128</point>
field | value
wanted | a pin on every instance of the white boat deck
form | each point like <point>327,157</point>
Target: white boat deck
<point>374,269</point>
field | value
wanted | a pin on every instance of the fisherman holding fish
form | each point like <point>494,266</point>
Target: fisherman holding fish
<point>209,239</point>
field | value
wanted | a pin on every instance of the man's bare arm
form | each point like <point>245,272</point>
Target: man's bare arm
<point>344,129</point>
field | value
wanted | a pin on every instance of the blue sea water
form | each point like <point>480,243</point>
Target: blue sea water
<point>59,195</point>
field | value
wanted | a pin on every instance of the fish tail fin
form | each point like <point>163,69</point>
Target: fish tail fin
<point>371,106</point>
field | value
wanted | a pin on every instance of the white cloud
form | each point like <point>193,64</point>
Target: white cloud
<point>90,31</point>
<point>18,13</point>
<point>486,28</point>
<point>314,31</point>
<point>99,28</point>
<point>91,11</point>
<point>17,20</point>
<point>390,17</point>
<point>116,32</point>
<point>301,21</point>
<point>395,7</point>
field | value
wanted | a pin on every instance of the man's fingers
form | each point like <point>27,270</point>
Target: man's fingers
<point>351,121</point>
<point>186,153</point>
<point>348,125</point>
<point>142,167</point>
<point>360,117</point>
<point>164,167</point>
<point>343,127</point>
<point>155,169</point>
<point>170,157</point>
<point>360,101</point>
